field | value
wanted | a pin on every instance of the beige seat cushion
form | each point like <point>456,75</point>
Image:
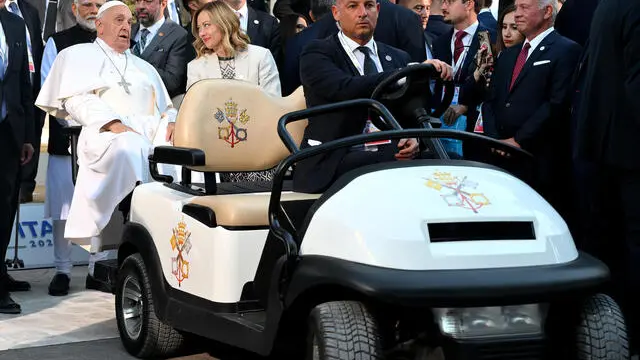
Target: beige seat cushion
<point>245,209</point>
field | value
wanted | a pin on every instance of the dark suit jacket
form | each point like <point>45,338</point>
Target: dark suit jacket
<point>259,5</point>
<point>169,52</point>
<point>536,111</point>
<point>609,115</point>
<point>436,26</point>
<point>32,19</point>
<point>429,42</point>
<point>329,76</point>
<point>264,30</point>
<point>290,76</point>
<point>574,19</point>
<point>489,22</point>
<point>442,51</point>
<point>16,86</point>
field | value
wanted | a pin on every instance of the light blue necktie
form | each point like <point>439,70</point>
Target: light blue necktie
<point>3,111</point>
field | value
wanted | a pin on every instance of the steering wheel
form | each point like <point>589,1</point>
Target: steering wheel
<point>411,101</point>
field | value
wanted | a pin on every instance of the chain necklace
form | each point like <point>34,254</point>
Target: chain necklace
<point>123,82</point>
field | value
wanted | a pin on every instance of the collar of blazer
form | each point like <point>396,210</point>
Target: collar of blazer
<point>253,23</point>
<point>8,21</point>
<point>542,48</point>
<point>241,64</point>
<point>386,58</point>
<point>163,33</point>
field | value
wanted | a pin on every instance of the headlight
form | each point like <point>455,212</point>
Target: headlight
<point>490,321</point>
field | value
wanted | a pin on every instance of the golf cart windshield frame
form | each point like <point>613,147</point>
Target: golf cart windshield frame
<point>279,223</point>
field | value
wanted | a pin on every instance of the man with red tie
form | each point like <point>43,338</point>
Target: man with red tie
<point>528,102</point>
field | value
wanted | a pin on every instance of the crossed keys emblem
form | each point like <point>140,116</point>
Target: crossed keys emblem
<point>232,133</point>
<point>180,241</point>
<point>458,192</point>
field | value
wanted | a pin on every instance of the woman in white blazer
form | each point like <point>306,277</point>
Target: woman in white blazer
<point>224,52</point>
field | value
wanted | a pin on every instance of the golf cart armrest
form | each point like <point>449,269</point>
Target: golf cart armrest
<point>178,156</point>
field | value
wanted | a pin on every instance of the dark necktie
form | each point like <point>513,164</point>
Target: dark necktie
<point>369,65</point>
<point>522,59</point>
<point>458,45</point>
<point>140,45</point>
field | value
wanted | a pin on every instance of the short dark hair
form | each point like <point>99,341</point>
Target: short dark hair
<point>319,8</point>
<point>486,3</point>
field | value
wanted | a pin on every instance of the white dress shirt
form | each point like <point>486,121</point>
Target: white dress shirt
<point>466,41</point>
<point>4,49</point>
<point>356,56</point>
<point>243,14</point>
<point>153,30</point>
<point>535,42</point>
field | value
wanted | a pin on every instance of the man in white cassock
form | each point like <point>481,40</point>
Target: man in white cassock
<point>124,110</point>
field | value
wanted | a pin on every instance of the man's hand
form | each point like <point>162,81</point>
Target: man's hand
<point>117,127</point>
<point>171,127</point>
<point>445,70</point>
<point>408,149</point>
<point>27,154</point>
<point>511,141</point>
<point>452,114</point>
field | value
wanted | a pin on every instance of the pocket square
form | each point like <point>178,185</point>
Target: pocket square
<point>313,142</point>
<point>541,62</point>
<point>160,50</point>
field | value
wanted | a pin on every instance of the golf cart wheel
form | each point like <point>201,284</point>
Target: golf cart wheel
<point>142,334</point>
<point>343,330</point>
<point>601,332</point>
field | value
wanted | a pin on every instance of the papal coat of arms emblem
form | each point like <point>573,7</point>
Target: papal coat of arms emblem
<point>457,191</point>
<point>233,123</point>
<point>181,244</point>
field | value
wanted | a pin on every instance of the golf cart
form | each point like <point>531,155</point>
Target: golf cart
<point>393,261</point>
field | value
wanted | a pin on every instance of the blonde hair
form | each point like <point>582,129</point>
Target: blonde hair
<point>220,15</point>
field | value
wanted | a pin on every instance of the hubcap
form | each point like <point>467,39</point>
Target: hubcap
<point>132,307</point>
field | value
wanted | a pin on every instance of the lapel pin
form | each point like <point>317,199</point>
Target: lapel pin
<point>256,22</point>
<point>541,48</point>
<point>388,58</point>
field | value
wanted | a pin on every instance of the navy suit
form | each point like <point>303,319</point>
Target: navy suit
<point>436,26</point>
<point>17,128</point>
<point>264,30</point>
<point>329,76</point>
<point>535,112</point>
<point>290,75</point>
<point>488,21</point>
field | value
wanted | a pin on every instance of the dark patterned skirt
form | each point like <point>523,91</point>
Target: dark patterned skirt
<point>248,176</point>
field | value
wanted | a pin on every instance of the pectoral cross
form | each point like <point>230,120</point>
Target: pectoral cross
<point>124,84</point>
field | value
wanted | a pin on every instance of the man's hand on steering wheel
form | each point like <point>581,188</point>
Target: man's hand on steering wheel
<point>445,70</point>
<point>408,149</point>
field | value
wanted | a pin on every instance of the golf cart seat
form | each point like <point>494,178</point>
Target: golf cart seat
<point>234,123</point>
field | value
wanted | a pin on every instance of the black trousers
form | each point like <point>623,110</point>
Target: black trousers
<point>613,235</point>
<point>30,170</point>
<point>358,158</point>
<point>9,185</point>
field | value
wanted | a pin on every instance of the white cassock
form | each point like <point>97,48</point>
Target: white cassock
<point>85,85</point>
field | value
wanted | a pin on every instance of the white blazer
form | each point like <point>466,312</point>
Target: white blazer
<point>255,65</point>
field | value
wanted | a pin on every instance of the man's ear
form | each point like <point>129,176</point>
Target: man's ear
<point>74,8</point>
<point>548,12</point>
<point>335,12</point>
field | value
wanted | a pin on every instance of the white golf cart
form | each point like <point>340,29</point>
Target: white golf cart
<point>393,261</point>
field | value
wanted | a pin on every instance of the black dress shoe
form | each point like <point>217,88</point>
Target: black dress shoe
<point>59,285</point>
<point>7,305</point>
<point>12,285</point>
<point>92,284</point>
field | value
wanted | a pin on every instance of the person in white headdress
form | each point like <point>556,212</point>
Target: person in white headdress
<point>124,110</point>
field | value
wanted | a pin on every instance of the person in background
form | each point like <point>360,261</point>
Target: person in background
<point>423,9</point>
<point>485,17</point>
<point>17,134</point>
<point>508,35</point>
<point>162,43</point>
<point>290,25</point>
<point>436,25</point>
<point>192,6</point>
<point>224,52</point>
<point>59,183</point>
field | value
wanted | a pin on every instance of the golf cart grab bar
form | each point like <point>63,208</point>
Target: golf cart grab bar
<point>285,230</point>
<point>290,143</point>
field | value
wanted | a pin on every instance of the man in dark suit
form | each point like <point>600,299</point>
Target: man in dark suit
<point>34,47</point>
<point>437,26</point>
<point>574,19</point>
<point>607,136</point>
<point>423,9</point>
<point>485,17</point>
<point>458,47</point>
<point>346,66</point>
<point>163,44</point>
<point>290,76</point>
<point>17,134</point>
<point>262,28</point>
<point>528,105</point>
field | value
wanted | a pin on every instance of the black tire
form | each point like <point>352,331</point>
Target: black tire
<point>155,339</point>
<point>343,330</point>
<point>601,332</point>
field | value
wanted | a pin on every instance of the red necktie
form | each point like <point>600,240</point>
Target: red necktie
<point>458,46</point>
<point>522,59</point>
